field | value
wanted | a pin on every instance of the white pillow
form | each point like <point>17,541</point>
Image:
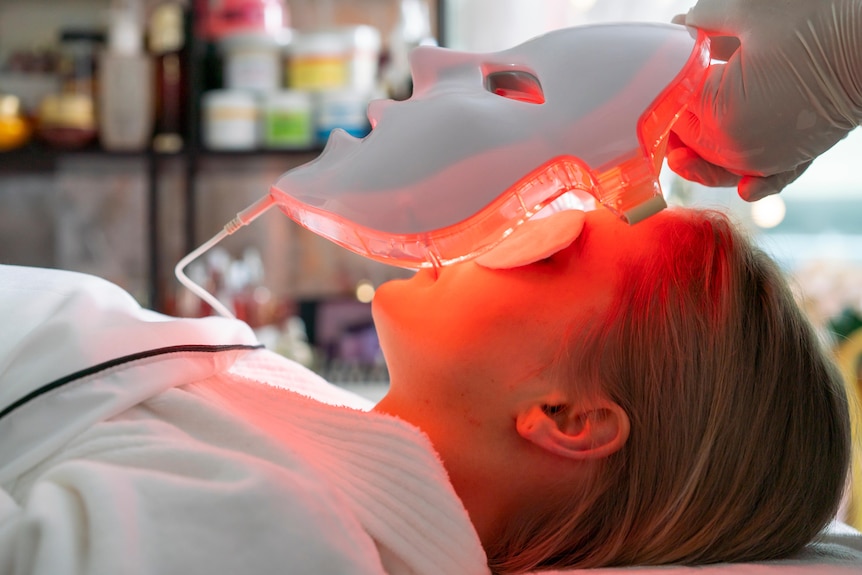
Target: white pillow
<point>838,552</point>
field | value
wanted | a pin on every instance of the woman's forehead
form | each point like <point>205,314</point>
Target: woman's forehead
<point>606,236</point>
<point>602,219</point>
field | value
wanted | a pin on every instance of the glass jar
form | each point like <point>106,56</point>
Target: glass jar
<point>14,128</point>
<point>166,40</point>
<point>67,121</point>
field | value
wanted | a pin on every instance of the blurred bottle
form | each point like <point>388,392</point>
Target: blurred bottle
<point>77,60</point>
<point>412,29</point>
<point>217,18</point>
<point>125,106</point>
<point>166,42</point>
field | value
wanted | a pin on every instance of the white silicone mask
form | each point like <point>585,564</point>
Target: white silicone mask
<point>488,140</point>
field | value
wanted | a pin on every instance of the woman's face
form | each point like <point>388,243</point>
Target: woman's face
<point>463,347</point>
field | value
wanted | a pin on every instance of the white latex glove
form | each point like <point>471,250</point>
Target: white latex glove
<point>790,89</point>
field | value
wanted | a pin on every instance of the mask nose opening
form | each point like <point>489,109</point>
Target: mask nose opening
<point>515,85</point>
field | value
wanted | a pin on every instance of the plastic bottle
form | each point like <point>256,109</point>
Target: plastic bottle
<point>125,106</point>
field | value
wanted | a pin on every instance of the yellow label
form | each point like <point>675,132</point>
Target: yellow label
<point>317,73</point>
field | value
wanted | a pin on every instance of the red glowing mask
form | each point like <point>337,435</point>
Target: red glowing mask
<point>488,140</point>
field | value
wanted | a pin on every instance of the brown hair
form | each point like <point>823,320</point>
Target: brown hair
<point>740,434</point>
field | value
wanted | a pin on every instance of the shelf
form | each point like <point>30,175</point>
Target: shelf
<point>38,158</point>
<point>263,153</point>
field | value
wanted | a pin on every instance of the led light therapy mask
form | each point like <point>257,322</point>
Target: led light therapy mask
<point>488,140</point>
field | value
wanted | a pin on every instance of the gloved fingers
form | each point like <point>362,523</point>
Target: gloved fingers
<point>686,131</point>
<point>720,47</point>
<point>723,47</point>
<point>715,123</point>
<point>684,155</point>
<point>691,166</point>
<point>753,188</point>
<point>720,17</point>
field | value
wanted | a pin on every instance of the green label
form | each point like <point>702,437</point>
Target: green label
<point>288,128</point>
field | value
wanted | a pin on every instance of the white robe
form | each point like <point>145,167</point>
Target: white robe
<point>167,445</point>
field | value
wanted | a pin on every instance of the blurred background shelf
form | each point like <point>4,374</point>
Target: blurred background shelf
<point>40,158</point>
<point>175,198</point>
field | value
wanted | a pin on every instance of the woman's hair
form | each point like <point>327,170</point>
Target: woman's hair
<point>740,434</point>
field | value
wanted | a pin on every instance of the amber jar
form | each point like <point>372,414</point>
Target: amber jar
<point>15,130</point>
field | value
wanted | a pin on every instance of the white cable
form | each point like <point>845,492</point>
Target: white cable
<point>243,218</point>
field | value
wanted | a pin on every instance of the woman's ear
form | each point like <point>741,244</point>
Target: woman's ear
<point>588,432</point>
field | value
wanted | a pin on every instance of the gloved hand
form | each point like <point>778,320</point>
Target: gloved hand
<point>790,89</point>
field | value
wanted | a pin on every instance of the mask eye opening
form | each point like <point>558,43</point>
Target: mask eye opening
<point>515,85</point>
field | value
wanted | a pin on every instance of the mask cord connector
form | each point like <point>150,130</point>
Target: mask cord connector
<point>242,219</point>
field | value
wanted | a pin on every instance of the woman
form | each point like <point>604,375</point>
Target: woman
<point>665,399</point>
<point>643,395</point>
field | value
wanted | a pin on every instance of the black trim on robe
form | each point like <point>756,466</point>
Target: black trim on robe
<point>86,372</point>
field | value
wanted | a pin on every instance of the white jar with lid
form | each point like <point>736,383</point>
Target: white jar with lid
<point>345,109</point>
<point>334,59</point>
<point>231,120</point>
<point>252,60</point>
<point>317,61</point>
<point>288,120</point>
